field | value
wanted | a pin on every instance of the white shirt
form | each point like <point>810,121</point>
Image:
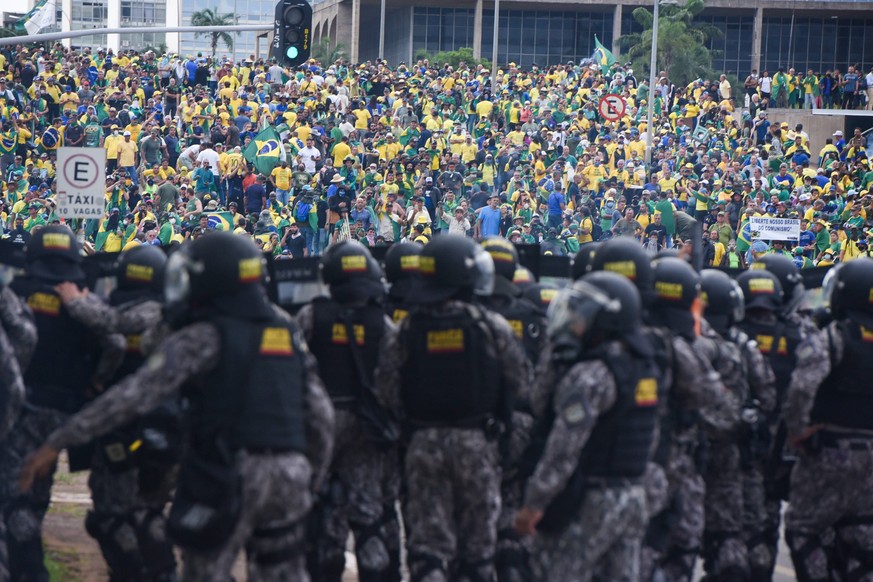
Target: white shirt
<point>210,156</point>
<point>307,157</point>
<point>766,84</point>
<point>869,78</point>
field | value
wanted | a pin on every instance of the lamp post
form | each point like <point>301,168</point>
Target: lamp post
<point>382,30</point>
<point>494,48</point>
<point>653,73</point>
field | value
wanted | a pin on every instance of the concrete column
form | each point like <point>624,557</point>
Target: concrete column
<point>477,30</point>
<point>616,30</point>
<point>66,22</point>
<point>355,42</point>
<point>174,18</point>
<point>113,20</point>
<point>757,27</point>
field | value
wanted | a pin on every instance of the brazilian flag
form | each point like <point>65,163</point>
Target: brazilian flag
<point>220,221</point>
<point>602,56</point>
<point>265,151</point>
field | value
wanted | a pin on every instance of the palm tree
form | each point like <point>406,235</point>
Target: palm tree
<point>682,50</point>
<point>326,52</point>
<point>210,19</point>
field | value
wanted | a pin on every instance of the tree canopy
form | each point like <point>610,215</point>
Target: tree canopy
<point>208,18</point>
<point>682,50</point>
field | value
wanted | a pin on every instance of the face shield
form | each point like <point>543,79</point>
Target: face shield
<point>483,265</point>
<point>830,283</point>
<point>575,309</point>
<point>177,278</point>
<point>739,311</point>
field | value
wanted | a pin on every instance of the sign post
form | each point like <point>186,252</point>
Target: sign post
<point>81,175</point>
<point>611,107</point>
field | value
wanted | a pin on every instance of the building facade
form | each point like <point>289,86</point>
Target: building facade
<point>764,34</point>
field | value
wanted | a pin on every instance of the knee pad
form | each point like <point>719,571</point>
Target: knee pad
<point>370,547</point>
<point>803,547</point>
<point>156,549</point>
<point>118,544</point>
<point>474,571</point>
<point>421,564</point>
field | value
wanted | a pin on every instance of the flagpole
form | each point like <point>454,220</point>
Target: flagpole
<point>653,65</point>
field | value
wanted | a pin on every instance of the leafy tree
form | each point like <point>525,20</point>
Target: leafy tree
<point>682,50</point>
<point>453,58</point>
<point>327,52</point>
<point>208,18</point>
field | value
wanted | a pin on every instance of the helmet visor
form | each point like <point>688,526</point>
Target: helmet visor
<point>739,311</point>
<point>575,309</point>
<point>484,272</point>
<point>177,281</point>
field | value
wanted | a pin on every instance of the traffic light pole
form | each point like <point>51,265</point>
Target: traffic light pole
<point>52,36</point>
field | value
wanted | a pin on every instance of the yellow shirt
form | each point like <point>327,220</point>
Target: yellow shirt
<point>362,118</point>
<point>282,177</point>
<point>484,108</point>
<point>340,151</point>
<point>127,153</point>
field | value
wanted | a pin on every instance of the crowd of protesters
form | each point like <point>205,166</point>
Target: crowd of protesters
<point>382,154</point>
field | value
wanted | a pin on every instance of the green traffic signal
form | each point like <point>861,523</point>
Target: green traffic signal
<point>292,52</point>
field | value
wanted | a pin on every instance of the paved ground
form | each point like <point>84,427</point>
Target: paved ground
<point>79,557</point>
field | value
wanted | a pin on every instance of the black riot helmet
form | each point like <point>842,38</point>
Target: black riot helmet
<point>219,273</point>
<point>351,272</point>
<point>601,302</point>
<point>626,257</point>
<point>583,259</point>
<point>141,268</point>
<point>723,301</point>
<point>541,295</point>
<point>505,259</point>
<point>789,277</point>
<point>676,288</point>
<point>523,278</point>
<point>52,255</point>
<point>453,266</point>
<point>401,267</point>
<point>852,295</point>
<point>761,290</point>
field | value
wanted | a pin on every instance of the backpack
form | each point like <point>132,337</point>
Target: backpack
<point>302,214</point>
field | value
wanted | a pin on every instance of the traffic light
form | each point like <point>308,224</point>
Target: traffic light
<point>292,32</point>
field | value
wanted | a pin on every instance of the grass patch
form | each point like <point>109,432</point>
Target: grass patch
<point>64,477</point>
<point>72,509</point>
<point>57,564</point>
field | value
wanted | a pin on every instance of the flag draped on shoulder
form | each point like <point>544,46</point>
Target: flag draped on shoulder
<point>40,16</point>
<point>265,151</point>
<point>602,56</point>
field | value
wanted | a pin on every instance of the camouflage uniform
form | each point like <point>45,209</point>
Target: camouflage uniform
<point>832,481</point>
<point>276,487</point>
<point>17,341</point>
<point>24,512</point>
<point>604,539</point>
<point>754,442</point>
<point>696,392</point>
<point>131,530</point>
<point>357,476</point>
<point>453,475</point>
<point>762,537</point>
<point>724,548</point>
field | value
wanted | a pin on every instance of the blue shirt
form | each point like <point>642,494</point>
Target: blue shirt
<point>489,219</point>
<point>556,199</point>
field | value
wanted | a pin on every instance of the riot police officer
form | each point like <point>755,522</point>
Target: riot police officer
<point>827,419</point>
<point>603,421</point>
<point>401,271</point>
<point>345,333</point>
<point>260,425</point>
<point>455,370</point>
<point>777,338</point>
<point>127,520</point>
<point>17,342</point>
<point>74,362</point>
<point>674,308</point>
<point>688,383</point>
<point>529,325</point>
<point>746,374</point>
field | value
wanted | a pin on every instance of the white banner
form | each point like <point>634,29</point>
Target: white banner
<point>765,228</point>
